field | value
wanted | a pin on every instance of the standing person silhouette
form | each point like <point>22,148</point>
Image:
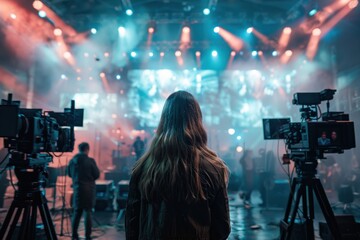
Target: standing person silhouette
<point>83,171</point>
<point>178,188</point>
<point>139,147</point>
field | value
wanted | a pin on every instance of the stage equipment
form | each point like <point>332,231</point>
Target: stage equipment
<point>306,142</point>
<point>104,194</point>
<point>121,199</point>
<point>30,135</point>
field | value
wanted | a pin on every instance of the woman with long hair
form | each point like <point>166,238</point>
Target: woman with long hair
<point>178,187</point>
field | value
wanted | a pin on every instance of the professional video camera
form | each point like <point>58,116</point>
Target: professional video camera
<point>31,135</point>
<point>333,134</point>
<point>307,142</point>
<point>31,131</point>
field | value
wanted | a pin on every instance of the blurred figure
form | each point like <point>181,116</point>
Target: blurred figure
<point>4,181</point>
<point>323,140</point>
<point>266,173</point>
<point>248,167</point>
<point>178,188</point>
<point>139,147</point>
<point>83,171</point>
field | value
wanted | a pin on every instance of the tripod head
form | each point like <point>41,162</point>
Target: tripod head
<point>305,163</point>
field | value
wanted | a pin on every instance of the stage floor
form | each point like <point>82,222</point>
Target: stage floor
<point>246,223</point>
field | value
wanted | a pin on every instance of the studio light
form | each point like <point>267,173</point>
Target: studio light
<point>206,11</point>
<point>129,12</point>
<point>216,29</point>
<point>214,53</point>
<point>133,54</point>
<point>42,13</point>
<point>93,31</point>
<point>249,30</point>
<point>122,31</point>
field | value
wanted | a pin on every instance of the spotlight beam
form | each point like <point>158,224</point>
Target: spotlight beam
<point>233,41</point>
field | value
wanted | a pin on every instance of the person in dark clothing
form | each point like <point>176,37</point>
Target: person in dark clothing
<point>248,166</point>
<point>83,171</point>
<point>139,147</point>
<point>178,189</point>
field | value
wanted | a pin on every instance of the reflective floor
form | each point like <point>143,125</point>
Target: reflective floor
<point>248,222</point>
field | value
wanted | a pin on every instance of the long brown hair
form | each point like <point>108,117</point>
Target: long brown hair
<point>170,169</point>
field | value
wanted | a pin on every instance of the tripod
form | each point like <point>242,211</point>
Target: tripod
<point>303,187</point>
<point>28,199</point>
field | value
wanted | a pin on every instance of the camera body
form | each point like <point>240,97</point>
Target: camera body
<point>332,135</point>
<point>34,131</point>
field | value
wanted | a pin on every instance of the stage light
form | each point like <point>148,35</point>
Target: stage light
<point>67,55</point>
<point>316,32</point>
<point>118,77</point>
<point>287,30</point>
<point>42,13</point>
<point>151,54</point>
<point>186,29</point>
<point>231,131</point>
<point>129,12</point>
<point>197,53</point>
<point>37,5</point>
<point>93,31</point>
<point>233,53</point>
<point>206,11</point>
<point>122,31</point>
<point>13,15</point>
<point>254,53</point>
<point>216,29</point>
<point>106,54</point>
<point>312,12</point>
<point>151,30</point>
<point>133,54</point>
<point>274,53</point>
<point>102,74</point>
<point>260,53</point>
<point>239,149</point>
<point>238,137</point>
<point>249,30</point>
<point>63,76</point>
<point>353,4</point>
<point>162,54</point>
<point>178,53</point>
<point>86,54</point>
<point>57,32</point>
<point>214,53</point>
<point>288,53</point>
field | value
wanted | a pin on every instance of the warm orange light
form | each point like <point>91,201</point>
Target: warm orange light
<point>233,41</point>
<point>316,32</point>
<point>260,53</point>
<point>353,4</point>
<point>287,30</point>
<point>197,53</point>
<point>37,4</point>
<point>288,53</point>
<point>178,53</point>
<point>151,30</point>
<point>57,32</point>
<point>186,29</point>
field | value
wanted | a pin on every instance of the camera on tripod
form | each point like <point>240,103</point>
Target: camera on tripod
<point>32,131</point>
<point>333,134</point>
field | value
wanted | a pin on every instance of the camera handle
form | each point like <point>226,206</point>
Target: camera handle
<point>303,187</point>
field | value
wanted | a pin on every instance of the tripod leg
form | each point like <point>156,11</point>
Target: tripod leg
<point>290,200</point>
<point>46,219</point>
<point>13,224</point>
<point>326,209</point>
<point>23,234</point>
<point>33,221</point>
<point>309,212</point>
<point>7,221</point>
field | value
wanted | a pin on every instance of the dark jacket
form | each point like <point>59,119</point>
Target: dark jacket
<point>164,220</point>
<point>83,171</point>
